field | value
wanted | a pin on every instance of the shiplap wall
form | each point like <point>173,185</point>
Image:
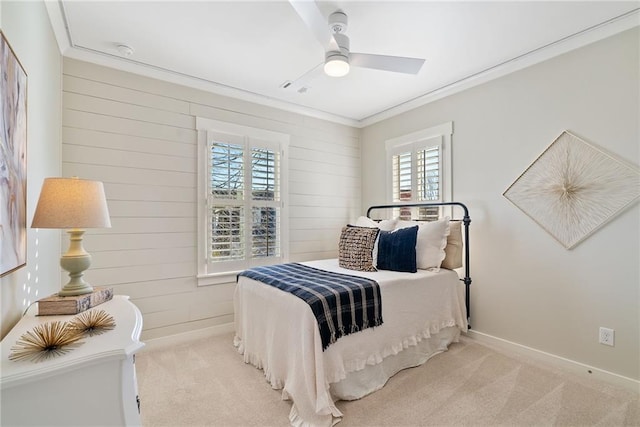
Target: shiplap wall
<point>137,135</point>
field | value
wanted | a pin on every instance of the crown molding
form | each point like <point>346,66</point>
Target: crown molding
<point>590,35</point>
<point>582,38</point>
<point>56,13</point>
<point>59,25</point>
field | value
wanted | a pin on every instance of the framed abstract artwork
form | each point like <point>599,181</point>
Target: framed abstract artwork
<point>573,188</point>
<point>13,160</point>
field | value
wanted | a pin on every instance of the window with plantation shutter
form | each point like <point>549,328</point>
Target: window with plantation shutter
<point>428,174</point>
<point>243,219</point>
<point>265,195</point>
<point>226,200</point>
<point>419,170</point>
<point>402,176</point>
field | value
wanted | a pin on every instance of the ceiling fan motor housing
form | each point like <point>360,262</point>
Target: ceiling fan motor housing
<point>337,61</point>
<point>333,55</point>
<point>338,22</point>
<point>343,43</point>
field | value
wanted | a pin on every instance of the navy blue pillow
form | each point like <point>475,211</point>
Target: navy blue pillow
<point>397,250</point>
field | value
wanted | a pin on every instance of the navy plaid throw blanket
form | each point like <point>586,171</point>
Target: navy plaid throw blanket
<point>343,304</point>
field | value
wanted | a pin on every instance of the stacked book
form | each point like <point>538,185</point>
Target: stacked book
<point>57,305</point>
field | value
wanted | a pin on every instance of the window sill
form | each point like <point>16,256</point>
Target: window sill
<point>217,278</point>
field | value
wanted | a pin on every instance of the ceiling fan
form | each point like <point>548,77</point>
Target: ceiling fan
<point>338,57</point>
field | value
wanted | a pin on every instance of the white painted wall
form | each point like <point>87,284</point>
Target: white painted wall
<point>526,287</point>
<point>138,136</point>
<point>27,28</point>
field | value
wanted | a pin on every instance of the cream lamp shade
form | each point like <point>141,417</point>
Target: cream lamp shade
<point>73,204</point>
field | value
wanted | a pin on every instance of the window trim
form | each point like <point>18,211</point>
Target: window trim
<point>416,140</point>
<point>203,126</point>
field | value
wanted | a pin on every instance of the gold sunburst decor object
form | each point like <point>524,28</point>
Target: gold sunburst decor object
<point>573,188</point>
<point>46,341</point>
<point>94,322</point>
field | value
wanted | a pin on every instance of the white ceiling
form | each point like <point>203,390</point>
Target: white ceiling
<point>249,49</point>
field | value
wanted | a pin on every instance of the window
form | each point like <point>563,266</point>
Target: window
<point>419,170</point>
<point>243,214</point>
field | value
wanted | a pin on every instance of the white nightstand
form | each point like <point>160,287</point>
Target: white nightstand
<point>94,384</point>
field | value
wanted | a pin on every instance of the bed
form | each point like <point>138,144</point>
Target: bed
<point>422,311</point>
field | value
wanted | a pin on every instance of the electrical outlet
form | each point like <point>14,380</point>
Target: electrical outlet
<point>607,336</point>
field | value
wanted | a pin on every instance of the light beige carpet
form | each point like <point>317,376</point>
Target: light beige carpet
<point>206,383</point>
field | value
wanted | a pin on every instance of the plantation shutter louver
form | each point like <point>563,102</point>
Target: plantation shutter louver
<point>265,192</point>
<point>402,182</point>
<point>428,174</point>
<point>244,201</point>
<point>416,176</point>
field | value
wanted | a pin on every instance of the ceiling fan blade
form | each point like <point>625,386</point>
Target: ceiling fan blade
<point>398,64</point>
<point>315,20</point>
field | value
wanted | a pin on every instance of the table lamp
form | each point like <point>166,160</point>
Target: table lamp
<point>73,204</point>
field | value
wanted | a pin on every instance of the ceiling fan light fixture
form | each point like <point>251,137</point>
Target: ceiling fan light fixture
<point>336,65</point>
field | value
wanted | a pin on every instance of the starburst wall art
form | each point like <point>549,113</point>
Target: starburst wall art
<point>574,188</point>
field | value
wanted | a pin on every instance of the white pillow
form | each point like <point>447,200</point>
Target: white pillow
<point>388,224</point>
<point>384,225</point>
<point>432,239</point>
<point>364,221</point>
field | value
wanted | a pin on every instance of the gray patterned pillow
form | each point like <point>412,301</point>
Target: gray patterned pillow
<point>355,250</point>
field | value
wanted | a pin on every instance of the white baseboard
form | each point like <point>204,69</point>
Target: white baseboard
<point>581,369</point>
<point>172,340</point>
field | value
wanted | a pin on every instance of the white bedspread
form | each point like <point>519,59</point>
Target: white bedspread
<point>277,332</point>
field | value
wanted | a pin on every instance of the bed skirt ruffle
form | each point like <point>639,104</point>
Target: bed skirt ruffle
<point>363,377</point>
<point>371,377</point>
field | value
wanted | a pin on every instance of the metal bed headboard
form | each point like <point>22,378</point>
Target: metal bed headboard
<point>466,220</point>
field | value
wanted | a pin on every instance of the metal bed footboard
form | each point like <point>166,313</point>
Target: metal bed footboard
<point>466,220</point>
